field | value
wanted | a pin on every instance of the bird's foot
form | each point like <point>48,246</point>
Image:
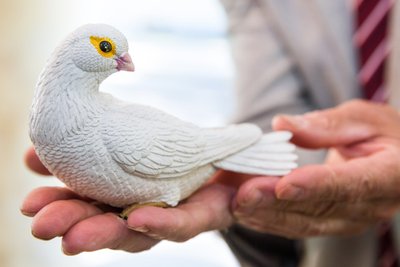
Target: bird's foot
<point>126,211</point>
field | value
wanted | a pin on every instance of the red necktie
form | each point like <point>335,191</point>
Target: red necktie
<point>371,40</point>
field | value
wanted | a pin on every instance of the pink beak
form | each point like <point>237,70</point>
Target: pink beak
<point>124,62</point>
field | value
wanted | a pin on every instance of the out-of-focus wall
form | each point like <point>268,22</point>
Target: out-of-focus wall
<point>23,50</point>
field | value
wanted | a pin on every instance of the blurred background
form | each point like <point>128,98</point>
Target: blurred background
<point>183,66</point>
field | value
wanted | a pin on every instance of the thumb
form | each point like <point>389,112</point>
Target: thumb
<point>346,124</point>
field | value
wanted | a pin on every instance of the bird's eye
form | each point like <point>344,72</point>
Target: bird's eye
<point>105,46</point>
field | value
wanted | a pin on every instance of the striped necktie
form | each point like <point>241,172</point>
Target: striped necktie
<point>371,40</point>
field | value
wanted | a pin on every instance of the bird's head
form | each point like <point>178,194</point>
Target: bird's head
<point>98,48</point>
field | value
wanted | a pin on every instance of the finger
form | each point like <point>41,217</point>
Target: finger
<point>347,181</point>
<point>58,217</point>
<point>346,124</point>
<point>255,192</point>
<point>294,225</point>
<point>260,193</point>
<point>369,211</point>
<point>43,196</point>
<point>33,162</point>
<point>104,231</point>
<point>208,209</point>
<point>364,211</point>
<point>229,178</point>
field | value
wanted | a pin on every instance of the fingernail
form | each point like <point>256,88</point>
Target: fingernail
<point>155,236</point>
<point>28,214</point>
<point>297,121</point>
<point>291,192</point>
<point>141,229</point>
<point>68,253</point>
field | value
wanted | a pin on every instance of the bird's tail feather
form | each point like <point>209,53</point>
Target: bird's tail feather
<point>271,155</point>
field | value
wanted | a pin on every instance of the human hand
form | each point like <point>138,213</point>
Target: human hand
<point>85,225</point>
<point>358,185</point>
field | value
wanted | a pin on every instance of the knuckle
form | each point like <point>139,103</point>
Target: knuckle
<point>367,186</point>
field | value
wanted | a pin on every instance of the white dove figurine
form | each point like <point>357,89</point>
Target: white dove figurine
<point>125,154</point>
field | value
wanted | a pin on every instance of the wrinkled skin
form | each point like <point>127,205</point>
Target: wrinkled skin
<point>359,185</point>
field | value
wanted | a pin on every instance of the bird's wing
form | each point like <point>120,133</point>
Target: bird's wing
<point>149,143</point>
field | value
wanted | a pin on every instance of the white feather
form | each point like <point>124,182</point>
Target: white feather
<point>271,155</point>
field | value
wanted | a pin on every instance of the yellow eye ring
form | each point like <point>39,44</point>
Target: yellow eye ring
<point>104,46</point>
